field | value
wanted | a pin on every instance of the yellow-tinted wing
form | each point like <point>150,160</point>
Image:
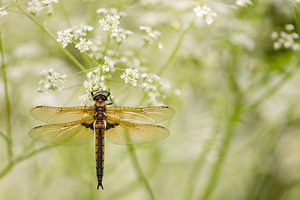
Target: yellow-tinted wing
<point>132,133</point>
<point>67,133</point>
<point>147,115</point>
<point>55,115</point>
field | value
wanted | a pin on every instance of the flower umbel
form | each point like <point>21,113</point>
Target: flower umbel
<point>205,13</point>
<point>149,35</point>
<point>286,39</point>
<point>83,45</point>
<point>130,76</point>
<point>64,37</point>
<point>51,81</point>
<point>110,23</point>
<point>36,6</point>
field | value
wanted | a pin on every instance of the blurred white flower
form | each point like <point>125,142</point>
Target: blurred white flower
<point>64,37</point>
<point>83,45</point>
<point>130,76</point>
<point>120,35</point>
<point>286,39</point>
<point>110,23</point>
<point>81,30</point>
<point>108,65</point>
<point>36,6</point>
<point>205,13</point>
<point>101,11</point>
<point>3,12</point>
<point>243,3</point>
<point>51,81</point>
<point>149,35</point>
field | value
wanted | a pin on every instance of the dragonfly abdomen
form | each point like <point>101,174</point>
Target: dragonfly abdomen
<point>100,155</point>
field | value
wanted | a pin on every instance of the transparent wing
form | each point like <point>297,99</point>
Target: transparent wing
<point>147,115</point>
<point>67,133</point>
<point>55,115</point>
<point>131,133</point>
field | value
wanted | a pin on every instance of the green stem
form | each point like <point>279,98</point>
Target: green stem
<point>294,8</point>
<point>4,136</point>
<point>176,48</point>
<point>216,169</point>
<point>193,177</point>
<point>104,52</point>
<point>21,158</point>
<point>66,52</point>
<point>7,102</point>
<point>138,169</point>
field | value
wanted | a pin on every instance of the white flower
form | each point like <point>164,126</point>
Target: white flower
<point>96,80</point>
<point>108,65</point>
<point>101,11</point>
<point>83,45</point>
<point>3,12</point>
<point>130,76</point>
<point>149,36</point>
<point>110,23</point>
<point>243,3</point>
<point>286,40</point>
<point>81,30</point>
<point>64,37</point>
<point>120,35</point>
<point>36,6</point>
<point>51,81</point>
<point>205,13</point>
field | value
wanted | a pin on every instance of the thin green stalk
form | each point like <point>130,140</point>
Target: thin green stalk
<point>4,136</point>
<point>294,8</point>
<point>7,102</point>
<point>216,169</point>
<point>193,177</point>
<point>21,158</point>
<point>137,167</point>
<point>107,44</point>
<point>272,90</point>
<point>176,48</point>
<point>66,52</point>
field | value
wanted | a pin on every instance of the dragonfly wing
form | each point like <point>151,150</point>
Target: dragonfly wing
<point>67,133</point>
<point>132,133</point>
<point>55,115</point>
<point>147,115</point>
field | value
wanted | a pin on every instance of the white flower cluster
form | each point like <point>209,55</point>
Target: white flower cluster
<point>65,37</point>
<point>130,76</point>
<point>96,80</point>
<point>83,45</point>
<point>120,35</point>
<point>108,65</point>
<point>51,81</point>
<point>3,12</point>
<point>111,11</point>
<point>243,3</point>
<point>286,39</point>
<point>149,35</point>
<point>205,13</point>
<point>36,6</point>
<point>154,87</point>
<point>110,23</point>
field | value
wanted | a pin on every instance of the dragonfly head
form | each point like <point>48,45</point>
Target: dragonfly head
<point>100,95</point>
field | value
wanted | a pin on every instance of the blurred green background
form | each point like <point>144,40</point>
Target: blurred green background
<point>235,133</point>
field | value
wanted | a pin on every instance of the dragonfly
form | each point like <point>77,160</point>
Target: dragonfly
<point>80,124</point>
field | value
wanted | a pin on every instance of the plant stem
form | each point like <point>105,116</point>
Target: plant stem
<point>216,169</point>
<point>137,167</point>
<point>7,103</point>
<point>296,16</point>
<point>176,48</point>
<point>104,52</point>
<point>66,52</point>
<point>21,158</point>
